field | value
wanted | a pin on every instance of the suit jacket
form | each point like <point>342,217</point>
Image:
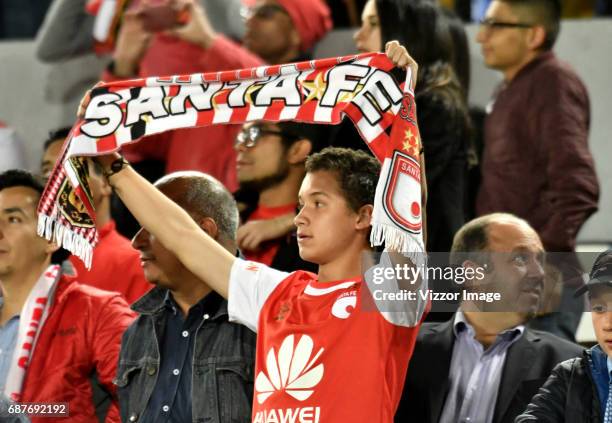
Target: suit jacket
<point>529,362</point>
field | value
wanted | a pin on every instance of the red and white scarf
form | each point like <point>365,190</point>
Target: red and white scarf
<point>321,91</point>
<point>31,321</point>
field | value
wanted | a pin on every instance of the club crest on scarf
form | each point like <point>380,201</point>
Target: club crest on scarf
<point>401,204</point>
<point>321,91</point>
<point>402,193</point>
<point>70,205</point>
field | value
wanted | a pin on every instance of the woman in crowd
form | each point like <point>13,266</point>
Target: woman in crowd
<point>442,112</point>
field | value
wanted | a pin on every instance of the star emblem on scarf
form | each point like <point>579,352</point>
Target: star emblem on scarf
<point>248,96</point>
<point>313,89</point>
<point>411,142</point>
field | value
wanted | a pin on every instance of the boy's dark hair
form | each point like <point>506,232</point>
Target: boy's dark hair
<point>357,173</point>
<point>541,12</point>
<point>56,135</point>
<point>23,178</point>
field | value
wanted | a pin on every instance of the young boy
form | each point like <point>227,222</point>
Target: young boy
<point>578,390</point>
<point>318,349</point>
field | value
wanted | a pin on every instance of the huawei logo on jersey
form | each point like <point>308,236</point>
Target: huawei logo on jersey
<point>294,370</point>
<point>344,305</point>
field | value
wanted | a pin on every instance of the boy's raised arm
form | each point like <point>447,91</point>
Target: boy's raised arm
<point>172,226</point>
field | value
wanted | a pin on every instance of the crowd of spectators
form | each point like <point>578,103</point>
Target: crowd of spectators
<point>203,318</point>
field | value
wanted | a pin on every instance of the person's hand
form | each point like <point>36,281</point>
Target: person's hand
<point>198,29</point>
<point>85,101</point>
<point>107,159</point>
<point>253,233</point>
<point>83,104</point>
<point>132,43</point>
<point>401,59</point>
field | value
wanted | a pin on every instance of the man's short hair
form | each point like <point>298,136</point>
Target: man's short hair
<point>56,135</point>
<point>471,240</point>
<point>204,196</point>
<point>21,178</point>
<point>541,12</point>
<point>356,171</point>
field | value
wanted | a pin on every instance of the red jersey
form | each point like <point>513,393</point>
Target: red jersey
<point>321,356</point>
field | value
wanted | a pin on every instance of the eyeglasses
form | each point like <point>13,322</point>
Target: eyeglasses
<point>490,24</point>
<point>249,136</point>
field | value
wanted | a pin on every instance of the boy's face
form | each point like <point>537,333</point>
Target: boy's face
<point>326,226</point>
<point>601,313</point>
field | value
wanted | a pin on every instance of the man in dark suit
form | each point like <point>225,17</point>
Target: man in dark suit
<point>484,365</point>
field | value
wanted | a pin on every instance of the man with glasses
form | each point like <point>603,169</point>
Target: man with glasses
<point>536,162</point>
<point>270,167</point>
<point>537,125</point>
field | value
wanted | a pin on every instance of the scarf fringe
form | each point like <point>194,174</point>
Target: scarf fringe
<point>398,240</point>
<point>65,237</point>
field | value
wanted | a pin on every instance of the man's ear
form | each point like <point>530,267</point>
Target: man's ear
<point>537,37</point>
<point>209,226</point>
<point>299,151</point>
<point>364,217</point>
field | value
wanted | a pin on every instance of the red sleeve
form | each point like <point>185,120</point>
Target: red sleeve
<point>112,415</point>
<point>573,189</point>
<point>113,318</point>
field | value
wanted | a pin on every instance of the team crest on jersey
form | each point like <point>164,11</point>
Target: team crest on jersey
<point>344,305</point>
<point>283,310</point>
<point>401,196</point>
<point>293,370</point>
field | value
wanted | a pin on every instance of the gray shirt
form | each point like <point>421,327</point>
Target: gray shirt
<point>475,374</point>
<point>8,340</point>
<point>67,31</point>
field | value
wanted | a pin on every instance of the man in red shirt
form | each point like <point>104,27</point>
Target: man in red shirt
<point>277,31</point>
<point>318,346</point>
<point>55,333</point>
<point>116,265</point>
<point>270,167</point>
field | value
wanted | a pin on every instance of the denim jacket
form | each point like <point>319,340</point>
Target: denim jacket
<point>224,354</point>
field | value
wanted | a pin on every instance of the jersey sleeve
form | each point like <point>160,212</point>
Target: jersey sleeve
<point>250,286</point>
<point>399,295</point>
